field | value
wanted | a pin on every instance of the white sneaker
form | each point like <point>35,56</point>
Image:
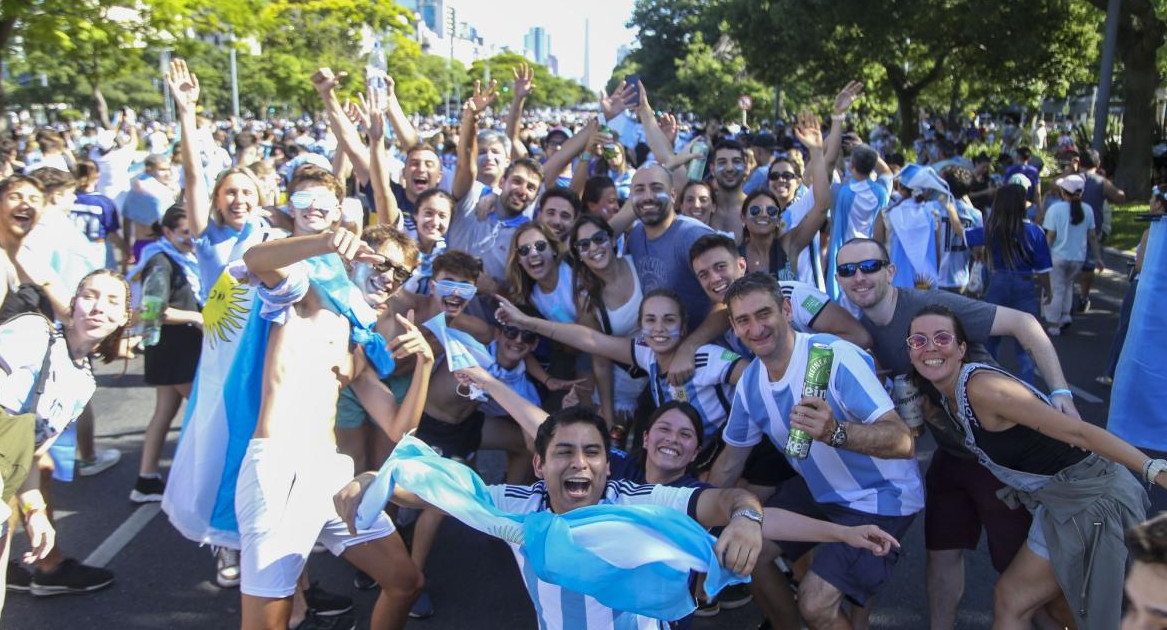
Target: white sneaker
<point>103,460</point>
<point>226,567</point>
<point>1054,331</point>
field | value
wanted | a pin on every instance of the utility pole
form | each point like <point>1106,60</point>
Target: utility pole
<point>234,75</point>
<point>451,17</point>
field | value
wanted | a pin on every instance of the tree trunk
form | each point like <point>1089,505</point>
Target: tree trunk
<point>7,25</point>
<point>906,111</point>
<point>1138,49</point>
<point>98,98</point>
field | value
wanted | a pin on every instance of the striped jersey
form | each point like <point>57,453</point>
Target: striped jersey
<point>761,407</point>
<point>557,608</point>
<point>708,389</point>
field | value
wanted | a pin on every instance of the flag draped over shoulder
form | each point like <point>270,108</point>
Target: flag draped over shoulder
<point>1140,381</point>
<point>462,349</point>
<point>630,558</point>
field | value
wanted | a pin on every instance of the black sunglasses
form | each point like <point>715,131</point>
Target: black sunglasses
<point>540,246</point>
<point>782,175</point>
<point>400,274</point>
<point>772,211</point>
<point>512,333</point>
<point>582,245</point>
<point>846,270</point>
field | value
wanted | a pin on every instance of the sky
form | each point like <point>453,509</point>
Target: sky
<point>505,22</point>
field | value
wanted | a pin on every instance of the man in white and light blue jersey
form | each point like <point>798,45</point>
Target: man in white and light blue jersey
<point>860,468</point>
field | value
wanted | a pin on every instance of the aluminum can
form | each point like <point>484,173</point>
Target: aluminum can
<point>815,384</point>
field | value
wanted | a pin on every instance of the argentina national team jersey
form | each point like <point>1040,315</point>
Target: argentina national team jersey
<point>557,608</point>
<point>707,390</point>
<point>761,408</point>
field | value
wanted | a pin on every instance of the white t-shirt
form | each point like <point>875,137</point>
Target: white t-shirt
<point>559,305</point>
<point>1071,241</point>
<point>560,609</point>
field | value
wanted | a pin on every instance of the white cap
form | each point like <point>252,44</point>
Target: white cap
<point>1072,184</point>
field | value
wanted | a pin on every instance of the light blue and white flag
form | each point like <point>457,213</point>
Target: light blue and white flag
<point>462,349</point>
<point>636,559</point>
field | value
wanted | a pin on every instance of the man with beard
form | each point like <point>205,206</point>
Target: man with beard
<point>729,172</point>
<point>660,242</point>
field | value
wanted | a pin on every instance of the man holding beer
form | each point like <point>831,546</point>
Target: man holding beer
<point>961,494</point>
<point>817,398</point>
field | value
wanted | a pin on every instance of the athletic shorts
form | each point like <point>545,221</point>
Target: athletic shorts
<point>350,414</point>
<point>961,498</point>
<point>283,501</point>
<point>857,573</point>
<point>456,441</point>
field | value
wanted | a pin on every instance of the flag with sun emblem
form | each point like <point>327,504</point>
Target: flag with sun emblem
<point>193,486</point>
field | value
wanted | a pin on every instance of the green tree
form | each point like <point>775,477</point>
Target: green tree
<point>665,28</point>
<point>550,90</point>
<point>710,78</point>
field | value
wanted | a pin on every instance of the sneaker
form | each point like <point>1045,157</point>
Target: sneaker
<point>324,604</point>
<point>362,581</point>
<point>314,621</point>
<point>148,490</point>
<point>18,578</point>
<point>734,597</point>
<point>707,608</point>
<point>1086,304</point>
<point>1054,331</point>
<point>423,608</point>
<point>70,577</point>
<point>103,460</point>
<point>226,567</point>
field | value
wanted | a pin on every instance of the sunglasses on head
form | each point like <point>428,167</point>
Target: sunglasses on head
<point>446,288</point>
<point>512,333</point>
<point>524,250</point>
<point>582,245</point>
<point>942,339</point>
<point>322,200</point>
<point>846,270</point>
<point>400,273</point>
<point>771,211</point>
<point>786,176</point>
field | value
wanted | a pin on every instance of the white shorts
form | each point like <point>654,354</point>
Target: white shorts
<point>283,501</point>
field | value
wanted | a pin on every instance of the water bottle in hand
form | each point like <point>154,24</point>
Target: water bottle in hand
<point>154,294</point>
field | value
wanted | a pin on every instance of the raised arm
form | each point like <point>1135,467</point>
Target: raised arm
<point>843,101</point>
<point>578,143</point>
<point>1028,332</point>
<point>268,260</point>
<point>406,134</point>
<point>579,337</point>
<point>379,401</point>
<point>467,170</point>
<point>347,137</point>
<point>657,141</point>
<point>384,202</point>
<point>810,133</point>
<point>528,416</point>
<point>184,87</point>
<point>524,83</point>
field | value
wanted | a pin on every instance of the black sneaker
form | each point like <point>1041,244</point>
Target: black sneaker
<point>707,608</point>
<point>325,604</point>
<point>362,581</point>
<point>18,578</point>
<point>313,621</point>
<point>148,490</point>
<point>734,597</point>
<point>70,577</point>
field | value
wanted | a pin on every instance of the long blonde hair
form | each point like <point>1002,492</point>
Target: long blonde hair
<point>519,282</point>
<point>235,170</point>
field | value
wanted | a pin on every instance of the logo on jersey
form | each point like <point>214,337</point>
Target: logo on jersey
<point>812,304</point>
<point>225,312</point>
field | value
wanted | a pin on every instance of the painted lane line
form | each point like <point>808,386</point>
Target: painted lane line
<point>122,536</point>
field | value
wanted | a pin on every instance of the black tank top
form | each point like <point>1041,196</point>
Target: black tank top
<point>1026,450</point>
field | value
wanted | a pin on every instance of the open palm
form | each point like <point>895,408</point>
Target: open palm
<point>184,85</point>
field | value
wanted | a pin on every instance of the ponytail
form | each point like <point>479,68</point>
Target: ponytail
<point>1076,213</point>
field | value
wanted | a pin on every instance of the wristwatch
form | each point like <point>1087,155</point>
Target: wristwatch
<point>839,437</point>
<point>749,513</point>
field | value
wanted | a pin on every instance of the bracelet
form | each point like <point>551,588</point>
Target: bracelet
<point>28,508</point>
<point>1062,391</point>
<point>839,117</point>
<point>1153,468</point>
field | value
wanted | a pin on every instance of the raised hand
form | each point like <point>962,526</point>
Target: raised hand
<point>325,81</point>
<point>351,248</point>
<point>524,81</point>
<point>184,86</point>
<point>357,113</point>
<point>374,106</point>
<point>481,99</point>
<point>809,130</point>
<point>615,103</point>
<point>508,314</point>
<point>411,342</point>
<point>847,96</point>
<point>668,124</point>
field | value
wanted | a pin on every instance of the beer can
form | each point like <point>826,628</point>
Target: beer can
<point>908,400</point>
<point>815,384</point>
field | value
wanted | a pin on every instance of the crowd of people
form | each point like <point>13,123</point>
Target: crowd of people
<point>630,307</point>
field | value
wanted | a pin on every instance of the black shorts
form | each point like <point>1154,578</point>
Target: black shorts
<point>857,573</point>
<point>456,441</point>
<point>961,498</point>
<point>174,359</point>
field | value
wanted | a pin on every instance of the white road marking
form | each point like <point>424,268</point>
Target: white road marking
<point>123,535</point>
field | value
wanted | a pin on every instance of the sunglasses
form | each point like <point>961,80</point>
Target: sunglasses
<point>771,211</point>
<point>582,245</point>
<point>785,176</point>
<point>304,199</point>
<point>400,273</point>
<point>846,270</point>
<point>512,333</point>
<point>524,250</point>
<point>464,290</point>
<point>942,339</point>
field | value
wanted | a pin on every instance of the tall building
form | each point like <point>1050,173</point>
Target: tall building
<point>537,45</point>
<point>431,12</point>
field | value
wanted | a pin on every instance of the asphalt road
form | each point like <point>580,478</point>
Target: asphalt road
<point>164,581</point>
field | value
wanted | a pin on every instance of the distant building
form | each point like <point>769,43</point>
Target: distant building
<point>537,45</point>
<point>553,65</point>
<point>431,12</point>
<point>622,52</point>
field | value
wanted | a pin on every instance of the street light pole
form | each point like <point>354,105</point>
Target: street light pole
<point>234,76</point>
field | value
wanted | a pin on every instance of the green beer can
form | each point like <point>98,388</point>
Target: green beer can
<point>815,384</point>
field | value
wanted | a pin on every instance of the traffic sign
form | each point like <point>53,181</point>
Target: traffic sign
<point>745,102</point>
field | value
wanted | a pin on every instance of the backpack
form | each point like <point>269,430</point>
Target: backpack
<point>18,431</point>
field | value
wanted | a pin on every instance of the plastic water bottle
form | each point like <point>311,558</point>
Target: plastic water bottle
<point>697,166</point>
<point>154,291</point>
<point>377,67</point>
